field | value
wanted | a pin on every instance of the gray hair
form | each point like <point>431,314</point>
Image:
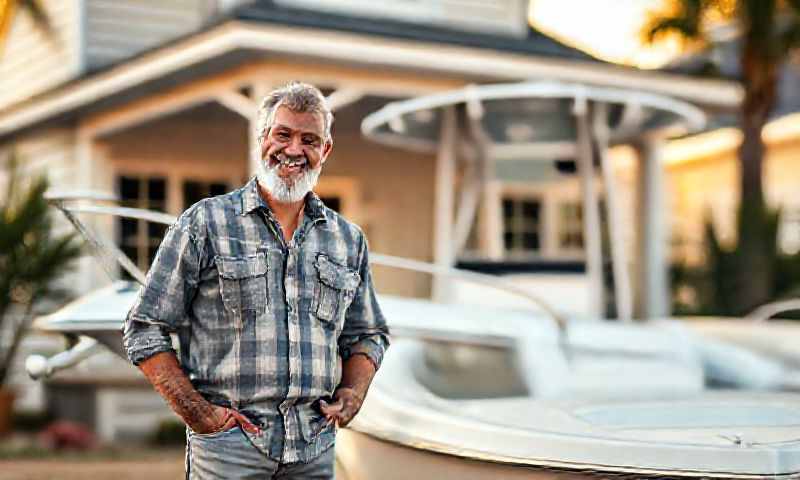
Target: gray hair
<point>297,97</point>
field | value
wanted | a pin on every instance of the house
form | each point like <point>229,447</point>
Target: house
<point>156,102</point>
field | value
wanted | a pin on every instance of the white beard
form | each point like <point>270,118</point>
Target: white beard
<point>283,191</point>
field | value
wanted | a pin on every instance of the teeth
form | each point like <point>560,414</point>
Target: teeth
<point>286,162</point>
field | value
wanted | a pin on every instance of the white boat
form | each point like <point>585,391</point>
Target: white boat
<point>462,397</point>
<point>473,392</point>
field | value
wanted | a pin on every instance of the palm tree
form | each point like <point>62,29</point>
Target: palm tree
<point>769,30</point>
<point>32,259</point>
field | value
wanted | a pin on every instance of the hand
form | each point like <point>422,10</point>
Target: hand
<point>346,405</point>
<point>223,419</point>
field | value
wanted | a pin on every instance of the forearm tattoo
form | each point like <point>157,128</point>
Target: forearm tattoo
<point>357,373</point>
<point>169,380</point>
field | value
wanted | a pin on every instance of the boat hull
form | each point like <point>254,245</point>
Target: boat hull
<point>362,457</point>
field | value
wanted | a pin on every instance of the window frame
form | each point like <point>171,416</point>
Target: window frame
<point>174,199</point>
<point>551,195</point>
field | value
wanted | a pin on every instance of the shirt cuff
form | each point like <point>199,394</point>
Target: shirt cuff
<point>371,346</point>
<point>144,342</point>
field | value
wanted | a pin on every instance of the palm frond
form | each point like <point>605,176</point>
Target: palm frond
<point>40,17</point>
<point>682,17</point>
<point>32,258</point>
<point>682,26</point>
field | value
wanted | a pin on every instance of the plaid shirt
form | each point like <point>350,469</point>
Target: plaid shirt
<point>263,326</point>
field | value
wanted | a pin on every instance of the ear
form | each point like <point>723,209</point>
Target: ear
<point>326,150</point>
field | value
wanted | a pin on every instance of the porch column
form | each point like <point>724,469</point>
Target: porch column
<point>86,272</point>
<point>443,254</point>
<point>491,233</point>
<point>652,299</point>
<point>258,91</point>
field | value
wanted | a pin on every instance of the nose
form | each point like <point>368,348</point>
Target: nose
<point>294,147</point>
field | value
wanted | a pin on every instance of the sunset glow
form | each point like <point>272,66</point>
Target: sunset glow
<point>607,29</point>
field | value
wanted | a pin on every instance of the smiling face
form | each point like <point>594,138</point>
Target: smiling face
<point>292,153</point>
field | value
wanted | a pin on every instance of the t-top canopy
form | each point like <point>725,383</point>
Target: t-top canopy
<point>534,121</point>
<point>537,114</point>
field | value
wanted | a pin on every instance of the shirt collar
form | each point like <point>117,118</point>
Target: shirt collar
<point>251,201</point>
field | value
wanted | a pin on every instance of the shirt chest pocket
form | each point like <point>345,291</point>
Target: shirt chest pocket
<point>334,289</point>
<point>243,285</point>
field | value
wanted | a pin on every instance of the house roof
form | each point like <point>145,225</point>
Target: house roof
<point>249,32</point>
<point>534,43</point>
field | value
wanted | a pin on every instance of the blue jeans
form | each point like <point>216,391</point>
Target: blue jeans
<point>230,455</point>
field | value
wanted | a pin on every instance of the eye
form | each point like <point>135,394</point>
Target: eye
<point>309,140</point>
<point>282,135</point>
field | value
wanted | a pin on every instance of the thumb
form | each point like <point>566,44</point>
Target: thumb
<point>230,422</point>
<point>244,422</point>
<point>330,408</point>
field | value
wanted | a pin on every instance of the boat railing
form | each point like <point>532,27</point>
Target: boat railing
<point>769,310</point>
<point>110,254</point>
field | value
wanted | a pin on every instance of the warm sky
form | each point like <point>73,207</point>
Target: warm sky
<point>609,29</point>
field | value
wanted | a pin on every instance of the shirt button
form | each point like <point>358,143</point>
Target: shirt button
<point>290,308</point>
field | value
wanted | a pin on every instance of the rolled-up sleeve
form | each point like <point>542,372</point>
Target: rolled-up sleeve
<point>365,330</point>
<point>163,302</point>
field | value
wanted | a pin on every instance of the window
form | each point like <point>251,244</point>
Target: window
<point>521,226</point>
<point>570,226</point>
<point>194,191</point>
<point>139,239</point>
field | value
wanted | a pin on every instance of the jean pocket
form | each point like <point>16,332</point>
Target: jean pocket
<point>214,434</point>
<point>311,424</point>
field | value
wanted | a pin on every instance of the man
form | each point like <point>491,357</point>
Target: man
<point>271,297</point>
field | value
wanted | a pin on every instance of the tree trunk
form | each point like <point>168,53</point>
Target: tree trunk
<point>754,274</point>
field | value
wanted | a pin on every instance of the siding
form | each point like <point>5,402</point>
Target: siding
<point>711,186</point>
<point>117,29</point>
<point>30,61</point>
<point>397,195</point>
<point>209,142</point>
<point>50,152</point>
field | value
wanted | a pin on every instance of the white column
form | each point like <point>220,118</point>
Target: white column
<point>651,235</point>
<point>473,182</point>
<point>87,277</point>
<point>258,91</point>
<point>591,214</point>
<point>491,223</point>
<point>443,254</point>
<point>623,299</point>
